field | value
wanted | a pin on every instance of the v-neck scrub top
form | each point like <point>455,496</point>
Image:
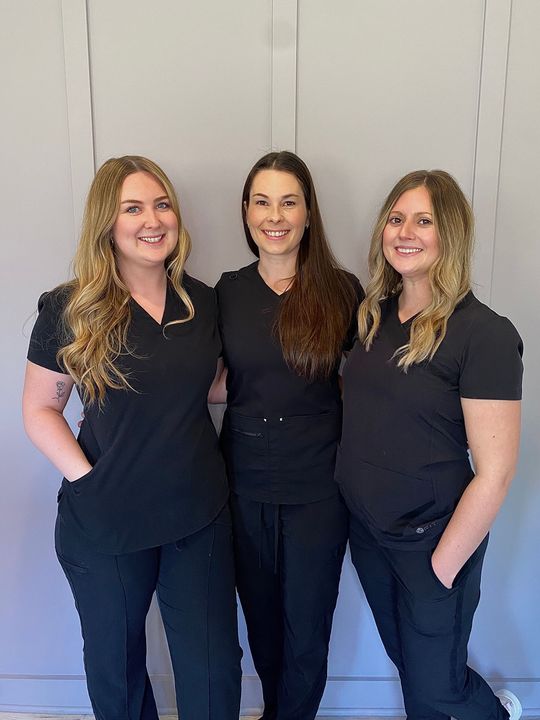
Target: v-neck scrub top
<point>403,463</point>
<point>280,431</point>
<point>157,472</point>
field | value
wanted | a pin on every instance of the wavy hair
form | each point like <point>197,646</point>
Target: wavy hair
<point>449,276</point>
<point>97,314</point>
<point>315,313</point>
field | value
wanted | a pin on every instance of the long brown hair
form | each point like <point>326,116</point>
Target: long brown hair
<point>97,315</point>
<point>449,276</point>
<point>315,313</point>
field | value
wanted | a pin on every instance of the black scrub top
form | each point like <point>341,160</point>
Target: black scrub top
<point>280,432</point>
<point>157,472</point>
<point>403,463</point>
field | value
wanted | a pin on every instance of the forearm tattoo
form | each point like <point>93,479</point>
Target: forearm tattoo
<point>60,390</point>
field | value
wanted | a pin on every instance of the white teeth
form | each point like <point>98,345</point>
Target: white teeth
<point>152,240</point>
<point>408,251</point>
<point>275,233</point>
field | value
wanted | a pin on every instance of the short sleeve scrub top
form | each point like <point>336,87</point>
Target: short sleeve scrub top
<point>403,462</point>
<point>157,473</point>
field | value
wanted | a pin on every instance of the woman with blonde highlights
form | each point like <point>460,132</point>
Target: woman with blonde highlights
<point>434,373</point>
<point>142,506</point>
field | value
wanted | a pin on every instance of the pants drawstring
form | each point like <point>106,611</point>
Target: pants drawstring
<point>276,537</point>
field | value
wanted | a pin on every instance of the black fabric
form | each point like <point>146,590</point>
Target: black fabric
<point>157,471</point>
<point>280,431</point>
<point>403,462</point>
<point>289,607</point>
<point>425,628</point>
<point>194,583</point>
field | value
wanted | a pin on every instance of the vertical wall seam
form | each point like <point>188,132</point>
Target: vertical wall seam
<point>272,70</point>
<point>488,137</point>
<point>477,131</point>
<point>78,102</point>
<point>296,35</point>
<point>284,73</point>
<point>67,119</point>
<point>90,86</point>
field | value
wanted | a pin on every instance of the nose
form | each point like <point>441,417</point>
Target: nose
<point>407,228</point>
<point>150,217</point>
<point>274,213</point>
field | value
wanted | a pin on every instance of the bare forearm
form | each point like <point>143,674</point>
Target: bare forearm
<point>51,434</point>
<point>469,525</point>
<point>218,390</point>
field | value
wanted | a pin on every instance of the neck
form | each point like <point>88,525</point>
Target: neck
<point>415,296</point>
<point>278,271</point>
<point>144,281</point>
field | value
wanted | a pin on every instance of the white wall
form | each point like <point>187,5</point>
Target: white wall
<point>364,91</point>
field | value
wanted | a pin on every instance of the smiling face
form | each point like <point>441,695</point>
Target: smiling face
<point>276,213</point>
<point>145,231</point>
<point>410,242</point>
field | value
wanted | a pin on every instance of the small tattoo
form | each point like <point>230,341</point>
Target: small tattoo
<point>60,392</point>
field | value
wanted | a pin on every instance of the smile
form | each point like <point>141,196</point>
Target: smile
<point>407,251</point>
<point>152,239</point>
<point>275,233</point>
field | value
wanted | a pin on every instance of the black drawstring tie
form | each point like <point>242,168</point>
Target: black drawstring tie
<point>277,519</point>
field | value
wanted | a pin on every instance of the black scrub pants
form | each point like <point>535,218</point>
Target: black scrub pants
<point>425,628</point>
<point>288,565</point>
<point>194,582</point>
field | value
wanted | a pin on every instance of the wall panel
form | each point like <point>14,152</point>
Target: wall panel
<point>190,88</point>
<point>384,88</point>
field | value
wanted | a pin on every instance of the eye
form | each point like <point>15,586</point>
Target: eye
<point>163,205</point>
<point>260,202</point>
<point>425,221</point>
<point>132,209</point>
<point>289,203</point>
<point>394,220</point>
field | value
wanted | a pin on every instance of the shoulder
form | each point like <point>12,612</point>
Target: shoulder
<point>489,352</point>
<point>231,280</point>
<point>354,283</point>
<point>200,293</point>
<point>53,302</point>
<point>476,319</point>
<point>193,284</point>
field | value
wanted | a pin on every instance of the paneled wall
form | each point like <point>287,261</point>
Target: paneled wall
<point>364,91</point>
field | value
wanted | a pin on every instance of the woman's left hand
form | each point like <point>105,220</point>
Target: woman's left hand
<point>444,576</point>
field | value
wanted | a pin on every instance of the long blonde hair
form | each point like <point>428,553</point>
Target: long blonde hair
<point>97,314</point>
<point>449,276</point>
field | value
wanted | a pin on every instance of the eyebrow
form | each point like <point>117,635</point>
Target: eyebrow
<point>283,197</point>
<point>416,214</point>
<point>140,202</point>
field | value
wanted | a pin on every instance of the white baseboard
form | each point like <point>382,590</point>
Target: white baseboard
<point>344,697</point>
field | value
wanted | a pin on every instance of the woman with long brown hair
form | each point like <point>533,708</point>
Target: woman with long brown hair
<point>285,321</point>
<point>435,374</point>
<point>142,506</point>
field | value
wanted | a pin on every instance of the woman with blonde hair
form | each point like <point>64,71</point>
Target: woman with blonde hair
<point>142,506</point>
<point>434,373</point>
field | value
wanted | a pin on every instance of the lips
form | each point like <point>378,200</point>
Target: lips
<point>275,234</point>
<point>151,239</point>
<point>408,250</point>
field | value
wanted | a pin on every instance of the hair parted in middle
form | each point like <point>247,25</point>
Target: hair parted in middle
<point>449,276</point>
<point>97,313</point>
<point>315,313</point>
